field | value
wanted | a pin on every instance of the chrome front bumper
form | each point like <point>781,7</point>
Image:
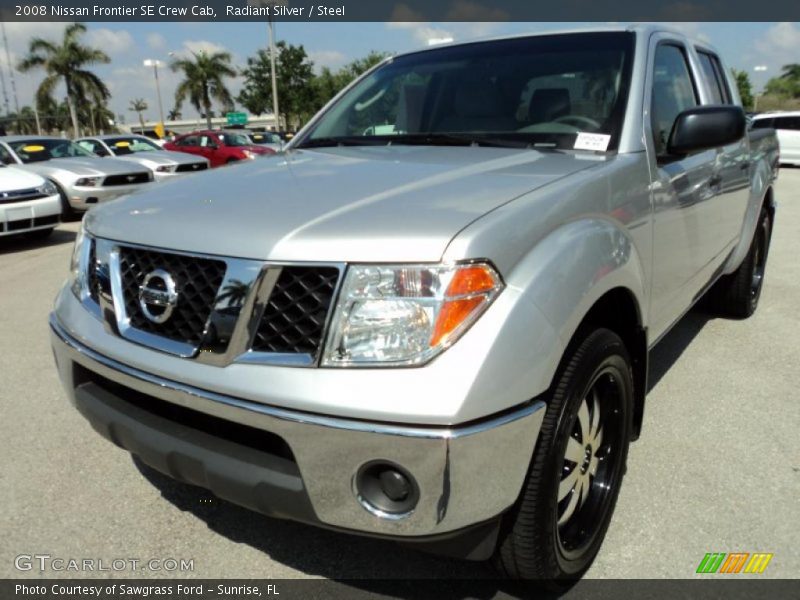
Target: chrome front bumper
<point>465,474</point>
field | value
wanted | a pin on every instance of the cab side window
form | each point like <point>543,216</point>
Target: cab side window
<point>673,92</point>
<point>715,78</point>
<point>189,140</point>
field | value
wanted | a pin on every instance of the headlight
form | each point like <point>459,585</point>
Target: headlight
<point>165,168</point>
<point>406,315</point>
<point>249,154</point>
<point>89,181</point>
<point>48,189</point>
<point>77,264</point>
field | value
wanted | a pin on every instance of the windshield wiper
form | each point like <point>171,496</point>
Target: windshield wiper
<point>332,142</point>
<point>458,139</point>
<point>419,139</point>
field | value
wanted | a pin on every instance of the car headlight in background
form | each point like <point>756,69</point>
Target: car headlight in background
<point>77,263</point>
<point>250,154</point>
<point>48,188</point>
<point>89,181</point>
<point>406,314</point>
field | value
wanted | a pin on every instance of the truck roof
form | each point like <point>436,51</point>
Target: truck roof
<point>643,29</point>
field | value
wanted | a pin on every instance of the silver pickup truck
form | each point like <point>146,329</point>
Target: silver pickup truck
<point>429,319</point>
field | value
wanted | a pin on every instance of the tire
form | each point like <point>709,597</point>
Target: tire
<point>540,538</point>
<point>736,295</point>
<point>40,234</point>
<point>67,212</point>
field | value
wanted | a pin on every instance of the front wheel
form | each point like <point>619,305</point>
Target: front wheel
<point>558,524</point>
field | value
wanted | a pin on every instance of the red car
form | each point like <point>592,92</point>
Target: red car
<point>219,147</point>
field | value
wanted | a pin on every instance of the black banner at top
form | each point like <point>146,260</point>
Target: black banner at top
<point>399,10</point>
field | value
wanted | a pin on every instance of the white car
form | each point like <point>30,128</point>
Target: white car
<point>141,150</point>
<point>82,178</point>
<point>28,203</point>
<point>787,126</point>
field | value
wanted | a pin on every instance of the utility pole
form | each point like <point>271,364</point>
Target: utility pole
<point>275,112</point>
<point>155,64</point>
<point>270,5</point>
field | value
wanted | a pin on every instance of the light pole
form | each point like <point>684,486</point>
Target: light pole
<point>155,64</point>
<point>270,5</point>
<point>274,77</point>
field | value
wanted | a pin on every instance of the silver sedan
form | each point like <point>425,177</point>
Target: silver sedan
<point>82,178</point>
<point>139,149</point>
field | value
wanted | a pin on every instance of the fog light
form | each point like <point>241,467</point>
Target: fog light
<point>386,490</point>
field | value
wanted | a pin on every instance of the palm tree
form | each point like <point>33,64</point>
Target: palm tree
<point>138,105</point>
<point>174,114</point>
<point>791,71</point>
<point>66,62</point>
<point>204,81</point>
<point>234,293</point>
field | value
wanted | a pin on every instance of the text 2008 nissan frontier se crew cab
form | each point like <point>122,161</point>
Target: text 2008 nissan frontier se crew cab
<point>429,319</point>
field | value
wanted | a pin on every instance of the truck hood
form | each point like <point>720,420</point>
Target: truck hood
<point>388,203</point>
<point>82,167</point>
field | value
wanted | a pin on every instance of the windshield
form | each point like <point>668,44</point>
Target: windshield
<point>525,92</point>
<point>130,145</point>
<point>235,139</point>
<point>36,150</point>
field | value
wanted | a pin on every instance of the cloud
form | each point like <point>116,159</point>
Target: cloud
<point>198,46</point>
<point>156,41</point>
<point>779,44</point>
<point>112,42</point>
<point>333,59</point>
<point>691,30</point>
<point>465,20</point>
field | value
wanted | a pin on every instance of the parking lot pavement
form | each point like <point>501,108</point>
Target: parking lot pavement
<point>717,468</point>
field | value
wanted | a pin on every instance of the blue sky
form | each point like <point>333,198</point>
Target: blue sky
<point>743,45</point>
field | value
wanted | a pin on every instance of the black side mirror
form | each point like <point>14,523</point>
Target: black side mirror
<point>705,127</point>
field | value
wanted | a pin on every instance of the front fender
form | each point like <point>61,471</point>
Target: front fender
<point>566,273</point>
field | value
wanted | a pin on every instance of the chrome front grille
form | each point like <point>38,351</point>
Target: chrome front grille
<point>13,196</point>
<point>295,316</point>
<point>197,280</point>
<point>224,310</point>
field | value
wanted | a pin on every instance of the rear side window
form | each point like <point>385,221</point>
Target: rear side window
<point>714,76</point>
<point>673,92</point>
<point>763,124</point>
<point>189,140</point>
<point>792,123</point>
